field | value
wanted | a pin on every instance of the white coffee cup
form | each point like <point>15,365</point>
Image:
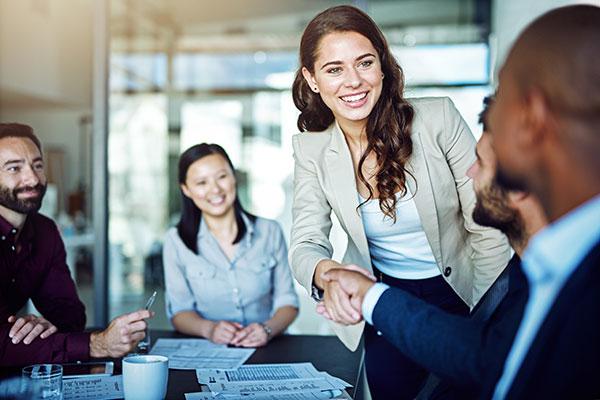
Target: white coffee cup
<point>145,377</point>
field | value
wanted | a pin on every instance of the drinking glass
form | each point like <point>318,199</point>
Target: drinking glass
<point>45,380</point>
<point>16,388</point>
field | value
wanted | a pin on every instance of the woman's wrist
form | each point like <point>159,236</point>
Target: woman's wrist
<point>280,321</point>
<point>322,267</point>
<point>207,328</point>
<point>268,330</point>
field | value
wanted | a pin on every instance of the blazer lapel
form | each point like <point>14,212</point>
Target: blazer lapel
<point>339,167</point>
<point>420,186</point>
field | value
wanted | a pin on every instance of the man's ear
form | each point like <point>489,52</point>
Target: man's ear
<point>516,196</point>
<point>537,118</point>
<point>309,78</point>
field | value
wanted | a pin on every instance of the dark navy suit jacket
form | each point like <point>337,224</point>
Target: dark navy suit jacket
<point>463,351</point>
<point>563,361</point>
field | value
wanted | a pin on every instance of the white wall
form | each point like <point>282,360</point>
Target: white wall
<point>45,49</point>
<point>46,73</point>
<point>57,128</point>
<point>510,17</point>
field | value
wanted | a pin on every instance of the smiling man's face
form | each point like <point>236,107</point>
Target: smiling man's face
<point>22,175</point>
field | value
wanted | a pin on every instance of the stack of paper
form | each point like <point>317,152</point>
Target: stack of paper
<point>200,353</point>
<point>269,381</point>
<point>291,396</point>
<point>93,388</point>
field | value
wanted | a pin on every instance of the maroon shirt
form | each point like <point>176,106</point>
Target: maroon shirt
<point>34,267</point>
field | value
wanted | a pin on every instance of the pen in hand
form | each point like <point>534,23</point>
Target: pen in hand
<point>144,344</point>
<point>150,301</point>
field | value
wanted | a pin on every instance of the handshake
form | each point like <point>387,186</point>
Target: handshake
<point>344,289</point>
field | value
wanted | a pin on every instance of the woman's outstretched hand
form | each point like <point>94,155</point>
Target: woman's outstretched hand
<point>336,281</point>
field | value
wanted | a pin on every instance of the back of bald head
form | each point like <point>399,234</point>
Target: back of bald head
<point>558,54</point>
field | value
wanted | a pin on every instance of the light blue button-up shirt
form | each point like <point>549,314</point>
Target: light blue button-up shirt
<point>549,260</point>
<point>249,288</point>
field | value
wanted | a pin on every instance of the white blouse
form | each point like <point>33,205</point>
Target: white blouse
<point>399,249</point>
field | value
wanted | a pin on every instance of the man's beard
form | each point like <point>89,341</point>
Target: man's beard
<point>507,182</point>
<point>492,210</point>
<point>9,198</point>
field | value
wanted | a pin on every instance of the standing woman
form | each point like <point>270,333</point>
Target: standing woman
<point>226,270</point>
<point>394,173</point>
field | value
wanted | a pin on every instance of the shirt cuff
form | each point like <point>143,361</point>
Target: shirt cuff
<point>78,346</point>
<point>371,299</point>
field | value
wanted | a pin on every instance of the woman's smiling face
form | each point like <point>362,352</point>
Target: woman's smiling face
<point>210,184</point>
<point>347,75</point>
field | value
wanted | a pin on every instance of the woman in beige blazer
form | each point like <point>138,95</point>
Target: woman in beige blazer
<point>394,173</point>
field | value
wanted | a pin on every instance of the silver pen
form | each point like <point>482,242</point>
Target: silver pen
<point>150,301</point>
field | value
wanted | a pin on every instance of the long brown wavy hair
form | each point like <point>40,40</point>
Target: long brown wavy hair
<point>389,123</point>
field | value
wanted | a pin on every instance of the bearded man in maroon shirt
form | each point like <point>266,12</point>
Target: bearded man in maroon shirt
<point>33,266</point>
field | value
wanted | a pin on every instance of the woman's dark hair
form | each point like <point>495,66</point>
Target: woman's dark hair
<point>189,223</point>
<point>388,125</point>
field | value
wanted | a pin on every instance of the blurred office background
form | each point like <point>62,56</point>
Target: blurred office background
<point>117,89</point>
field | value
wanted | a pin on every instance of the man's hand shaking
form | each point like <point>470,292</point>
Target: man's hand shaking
<point>352,285</point>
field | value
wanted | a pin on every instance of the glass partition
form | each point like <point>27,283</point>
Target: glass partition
<point>138,193</point>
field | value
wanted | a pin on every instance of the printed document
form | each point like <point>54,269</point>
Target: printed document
<point>338,394</point>
<point>93,388</point>
<point>200,353</point>
<point>270,379</point>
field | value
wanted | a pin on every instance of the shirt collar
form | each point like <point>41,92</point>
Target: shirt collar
<point>249,227</point>
<point>7,231</point>
<point>559,248</point>
<point>203,230</point>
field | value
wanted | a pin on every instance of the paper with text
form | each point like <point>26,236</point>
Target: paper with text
<point>258,372</point>
<point>337,394</point>
<point>93,388</point>
<point>200,353</point>
<point>269,379</point>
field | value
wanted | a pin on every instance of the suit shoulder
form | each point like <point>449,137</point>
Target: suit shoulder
<point>588,267</point>
<point>311,144</point>
<point>426,105</point>
<point>433,115</point>
<point>313,139</point>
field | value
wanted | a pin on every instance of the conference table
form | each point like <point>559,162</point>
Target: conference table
<point>326,353</point>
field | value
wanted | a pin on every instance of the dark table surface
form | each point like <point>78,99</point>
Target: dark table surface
<point>326,353</point>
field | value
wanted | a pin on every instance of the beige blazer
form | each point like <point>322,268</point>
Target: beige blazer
<point>469,256</point>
